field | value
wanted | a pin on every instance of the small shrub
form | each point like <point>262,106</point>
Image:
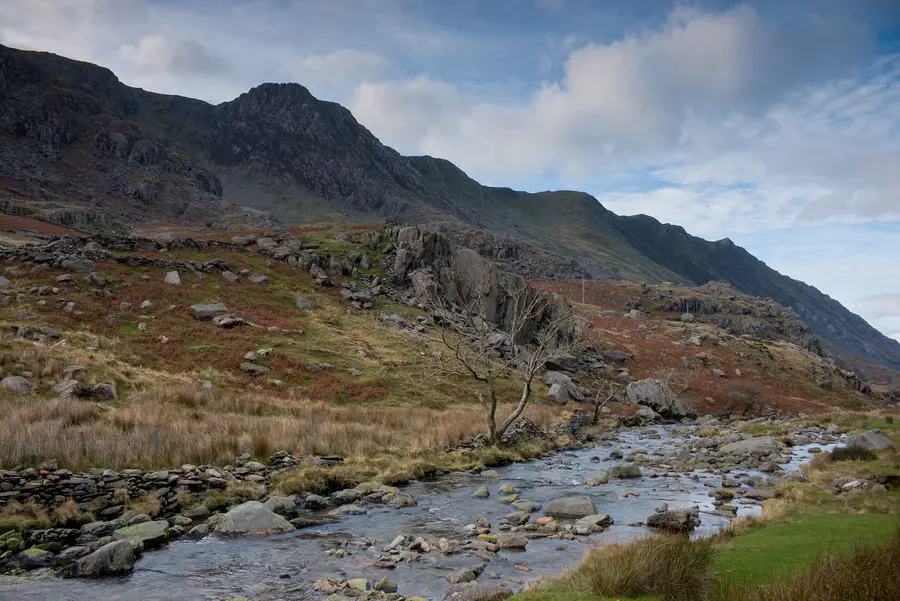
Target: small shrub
<point>744,400</point>
<point>671,566</point>
<point>852,454</point>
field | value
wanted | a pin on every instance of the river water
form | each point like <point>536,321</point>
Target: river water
<point>283,566</point>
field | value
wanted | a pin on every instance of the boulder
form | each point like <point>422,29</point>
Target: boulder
<point>145,535</point>
<point>656,395</point>
<point>675,520</point>
<point>205,312</point>
<point>592,523</point>
<point>571,508</point>
<point>101,392</point>
<point>34,558</point>
<point>281,505</point>
<point>304,303</point>
<point>512,541</point>
<point>113,558</point>
<point>623,471</point>
<point>173,278</point>
<point>251,519</point>
<point>473,591</point>
<point>873,440</point>
<point>761,445</point>
<point>17,384</point>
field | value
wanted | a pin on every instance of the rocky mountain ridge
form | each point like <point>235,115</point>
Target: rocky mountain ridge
<point>81,149</point>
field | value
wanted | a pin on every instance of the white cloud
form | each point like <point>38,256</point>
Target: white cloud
<point>341,70</point>
<point>160,54</point>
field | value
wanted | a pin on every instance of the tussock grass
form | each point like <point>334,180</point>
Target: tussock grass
<point>852,454</point>
<point>672,566</point>
<point>22,517</point>
<point>199,427</point>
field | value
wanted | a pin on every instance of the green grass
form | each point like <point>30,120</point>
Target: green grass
<point>773,552</point>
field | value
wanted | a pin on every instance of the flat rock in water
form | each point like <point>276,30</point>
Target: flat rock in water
<point>571,508</point>
<point>473,591</point>
<point>675,520</point>
<point>145,535</point>
<point>251,519</point>
<point>113,558</point>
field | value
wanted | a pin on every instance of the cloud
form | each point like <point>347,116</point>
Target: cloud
<point>160,54</point>
<point>877,306</point>
<point>626,101</point>
<point>342,69</point>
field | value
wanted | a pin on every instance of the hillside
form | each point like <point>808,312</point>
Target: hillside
<point>81,149</point>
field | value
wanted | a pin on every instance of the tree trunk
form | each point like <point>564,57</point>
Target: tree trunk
<point>517,412</point>
<point>493,438</point>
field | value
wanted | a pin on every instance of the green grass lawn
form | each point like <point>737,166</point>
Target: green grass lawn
<point>765,555</point>
<point>777,550</point>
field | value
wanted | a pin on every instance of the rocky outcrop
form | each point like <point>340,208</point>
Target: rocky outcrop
<point>656,395</point>
<point>873,440</point>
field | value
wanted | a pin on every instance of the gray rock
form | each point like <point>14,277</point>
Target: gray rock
<point>258,279</point>
<point>173,278</point>
<point>145,535</point>
<point>205,312</point>
<point>101,392</point>
<point>624,471</point>
<point>872,440</point>
<point>656,395</point>
<point>472,591</point>
<point>34,558</point>
<point>253,369</point>
<point>17,384</point>
<point>592,523</point>
<point>762,446</point>
<point>79,265</point>
<point>281,505</point>
<point>305,303</point>
<point>251,519</point>
<point>512,541</point>
<point>66,389</point>
<point>482,493</point>
<point>571,508</point>
<point>228,276</point>
<point>113,558</point>
<point>675,520</point>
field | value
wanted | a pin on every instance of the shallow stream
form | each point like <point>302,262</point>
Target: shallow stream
<point>284,566</point>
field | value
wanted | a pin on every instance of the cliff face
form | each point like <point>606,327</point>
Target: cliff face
<point>81,149</point>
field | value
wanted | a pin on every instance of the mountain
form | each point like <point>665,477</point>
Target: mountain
<point>81,149</point>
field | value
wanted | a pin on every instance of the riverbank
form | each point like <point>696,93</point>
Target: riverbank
<point>834,534</point>
<point>351,533</point>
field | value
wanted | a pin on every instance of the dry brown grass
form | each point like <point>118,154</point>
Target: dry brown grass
<point>204,427</point>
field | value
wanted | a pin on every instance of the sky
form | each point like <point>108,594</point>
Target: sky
<point>775,124</point>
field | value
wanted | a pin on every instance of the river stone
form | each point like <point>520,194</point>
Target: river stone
<point>205,312</point>
<point>281,505</point>
<point>113,558</point>
<point>461,576</point>
<point>512,541</point>
<point>675,520</point>
<point>34,558</point>
<point>251,519</point>
<point>482,493</point>
<point>507,489</point>
<point>571,508</point>
<point>592,523</point>
<point>527,506</point>
<point>17,384</point>
<point>145,535</point>
<point>626,470</point>
<point>490,474</point>
<point>398,499</point>
<point>872,440</point>
<point>385,585</point>
<point>473,591</point>
<point>761,445</point>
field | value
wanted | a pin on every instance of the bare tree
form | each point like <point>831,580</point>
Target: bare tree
<point>608,391</point>
<point>533,330</point>
<point>744,398</point>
